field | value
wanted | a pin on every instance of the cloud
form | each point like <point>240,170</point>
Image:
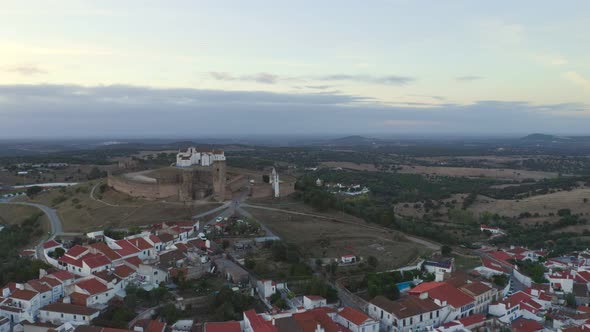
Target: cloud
<point>51,110</point>
<point>26,70</point>
<point>268,78</point>
<point>550,59</point>
<point>265,78</point>
<point>387,80</point>
<point>319,87</point>
<point>577,79</point>
<point>468,78</point>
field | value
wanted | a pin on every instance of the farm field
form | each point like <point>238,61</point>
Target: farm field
<point>308,233</point>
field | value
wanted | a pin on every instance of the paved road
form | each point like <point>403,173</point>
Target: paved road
<point>54,221</point>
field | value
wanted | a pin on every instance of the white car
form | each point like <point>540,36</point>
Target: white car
<point>202,236</point>
<point>219,219</point>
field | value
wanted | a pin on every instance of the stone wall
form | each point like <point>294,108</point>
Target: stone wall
<point>145,190</point>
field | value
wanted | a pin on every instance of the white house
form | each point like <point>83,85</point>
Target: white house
<point>517,305</point>
<point>4,324</point>
<point>491,229</point>
<point>356,321</point>
<point>483,294</point>
<point>410,313</point>
<point>561,281</point>
<point>60,313</point>
<point>26,302</point>
<point>347,259</point>
<point>45,291</point>
<point>92,292</point>
<point>314,301</point>
<point>266,288</point>
<point>192,156</point>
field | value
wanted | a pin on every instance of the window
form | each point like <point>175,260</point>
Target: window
<point>437,314</point>
<point>420,317</point>
<point>62,315</point>
<point>431,315</point>
<point>75,317</point>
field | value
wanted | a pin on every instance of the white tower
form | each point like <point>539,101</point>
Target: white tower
<point>274,181</point>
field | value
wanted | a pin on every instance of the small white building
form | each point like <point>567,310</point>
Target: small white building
<point>202,157</point>
<point>347,259</point>
<point>356,321</point>
<point>60,313</point>
<point>266,288</point>
<point>314,301</point>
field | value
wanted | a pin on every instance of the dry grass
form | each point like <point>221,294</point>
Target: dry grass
<point>493,173</point>
<point>351,165</point>
<point>390,247</point>
<point>542,204</point>
<point>73,173</point>
<point>79,213</point>
<point>12,214</point>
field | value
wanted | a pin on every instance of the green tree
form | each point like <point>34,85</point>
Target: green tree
<point>446,250</point>
<point>33,191</point>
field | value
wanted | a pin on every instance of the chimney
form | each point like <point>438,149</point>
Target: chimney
<point>423,296</point>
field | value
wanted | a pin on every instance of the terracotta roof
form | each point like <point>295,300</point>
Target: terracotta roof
<point>123,271</point>
<point>51,244</point>
<point>309,320</point>
<point>127,249</point>
<point>150,325</point>
<point>526,325</point>
<point>165,237</point>
<point>476,288</point>
<point>50,281</point>
<point>222,327</point>
<point>472,320</point>
<point>405,307</point>
<point>106,250</point>
<point>76,251</point>
<point>79,298</point>
<point>141,243</point>
<point>155,239</point>
<point>39,286</point>
<point>258,323</point>
<point>23,294</point>
<point>62,275</point>
<point>452,295</point>
<point>92,286</point>
<point>135,261</point>
<point>354,316</point>
<point>70,309</point>
<point>96,261</point>
<point>492,265</point>
<point>424,287</point>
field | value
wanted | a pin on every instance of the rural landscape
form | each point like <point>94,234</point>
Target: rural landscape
<point>351,220</point>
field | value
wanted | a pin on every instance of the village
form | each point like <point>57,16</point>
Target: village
<point>87,278</point>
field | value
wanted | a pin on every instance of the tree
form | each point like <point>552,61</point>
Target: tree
<point>58,252</point>
<point>446,250</point>
<point>34,190</point>
<point>265,178</point>
<point>373,262</point>
<point>570,300</point>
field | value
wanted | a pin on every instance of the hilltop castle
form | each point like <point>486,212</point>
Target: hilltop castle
<point>202,157</point>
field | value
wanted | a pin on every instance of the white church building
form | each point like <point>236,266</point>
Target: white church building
<point>194,157</point>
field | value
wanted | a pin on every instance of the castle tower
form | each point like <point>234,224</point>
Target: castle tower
<point>219,179</point>
<point>274,181</point>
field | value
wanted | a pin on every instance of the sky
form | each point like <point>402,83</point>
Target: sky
<point>201,68</point>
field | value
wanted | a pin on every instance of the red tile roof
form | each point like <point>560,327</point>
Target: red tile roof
<point>354,316</point>
<point>51,244</point>
<point>526,325</point>
<point>23,294</point>
<point>96,261</point>
<point>472,320</point>
<point>141,243</point>
<point>62,275</point>
<point>50,281</point>
<point>106,250</point>
<point>155,239</point>
<point>70,309</point>
<point>76,251</point>
<point>424,287</point>
<point>222,327</point>
<point>309,320</point>
<point>476,288</point>
<point>39,286</point>
<point>123,271</point>
<point>135,261</point>
<point>79,298</point>
<point>452,295</point>
<point>258,323</point>
<point>127,249</point>
<point>92,286</point>
<point>492,265</point>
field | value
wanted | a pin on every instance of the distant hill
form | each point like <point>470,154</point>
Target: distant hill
<point>553,138</point>
<point>354,140</point>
